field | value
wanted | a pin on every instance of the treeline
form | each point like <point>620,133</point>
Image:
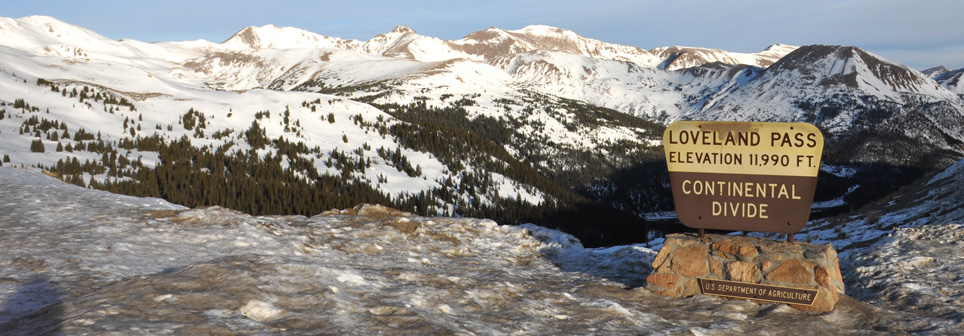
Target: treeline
<point>87,92</point>
<point>622,174</point>
<point>243,181</point>
<point>287,181</point>
<point>451,136</point>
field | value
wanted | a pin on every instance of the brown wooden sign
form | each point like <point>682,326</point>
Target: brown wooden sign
<point>768,293</point>
<point>743,176</point>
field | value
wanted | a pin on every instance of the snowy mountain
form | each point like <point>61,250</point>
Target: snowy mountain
<point>493,44</point>
<point>949,79</point>
<point>272,37</point>
<point>816,73</point>
<point>404,42</point>
<point>952,80</point>
<point>844,90</point>
<point>531,125</point>
<point>935,71</point>
<point>675,58</point>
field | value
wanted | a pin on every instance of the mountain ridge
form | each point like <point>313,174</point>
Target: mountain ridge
<point>533,37</point>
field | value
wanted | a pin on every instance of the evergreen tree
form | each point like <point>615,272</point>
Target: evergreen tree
<point>37,146</point>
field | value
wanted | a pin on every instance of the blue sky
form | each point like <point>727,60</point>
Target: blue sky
<point>920,33</point>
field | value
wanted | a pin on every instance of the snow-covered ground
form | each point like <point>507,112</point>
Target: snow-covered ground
<point>81,261</point>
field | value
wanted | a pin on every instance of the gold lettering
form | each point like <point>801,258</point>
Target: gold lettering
<point>741,189</point>
<point>739,209</point>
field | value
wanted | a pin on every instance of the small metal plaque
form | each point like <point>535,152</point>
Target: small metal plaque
<point>768,293</point>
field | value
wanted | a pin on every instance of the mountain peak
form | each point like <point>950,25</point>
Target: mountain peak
<point>543,30</point>
<point>250,36</point>
<point>810,55</point>
<point>44,20</point>
<point>270,36</point>
<point>779,47</point>
<point>936,71</point>
<point>846,68</point>
<point>403,29</point>
<point>36,32</point>
<point>952,80</point>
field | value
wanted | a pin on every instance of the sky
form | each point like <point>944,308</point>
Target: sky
<point>920,33</point>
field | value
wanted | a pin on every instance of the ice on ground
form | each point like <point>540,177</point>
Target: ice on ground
<point>918,269</point>
<point>80,261</point>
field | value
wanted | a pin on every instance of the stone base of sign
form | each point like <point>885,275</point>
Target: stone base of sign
<point>685,258</point>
